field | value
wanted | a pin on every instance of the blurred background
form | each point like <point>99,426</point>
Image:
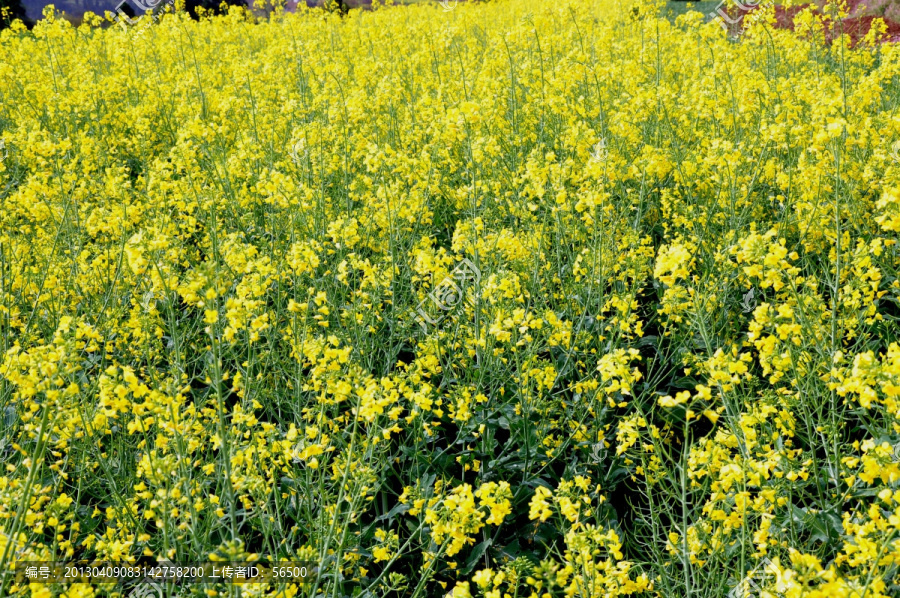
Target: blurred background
<point>861,12</point>
<point>75,9</point>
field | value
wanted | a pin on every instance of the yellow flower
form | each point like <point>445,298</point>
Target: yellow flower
<point>680,398</point>
<point>539,507</point>
<point>483,578</point>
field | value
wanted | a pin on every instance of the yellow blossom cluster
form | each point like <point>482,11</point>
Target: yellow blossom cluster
<point>520,298</point>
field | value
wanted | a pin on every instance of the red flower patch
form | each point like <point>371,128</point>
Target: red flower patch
<point>856,26</point>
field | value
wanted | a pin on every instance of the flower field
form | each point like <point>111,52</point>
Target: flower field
<point>526,298</point>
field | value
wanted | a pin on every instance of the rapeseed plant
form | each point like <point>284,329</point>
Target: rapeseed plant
<point>215,236</point>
